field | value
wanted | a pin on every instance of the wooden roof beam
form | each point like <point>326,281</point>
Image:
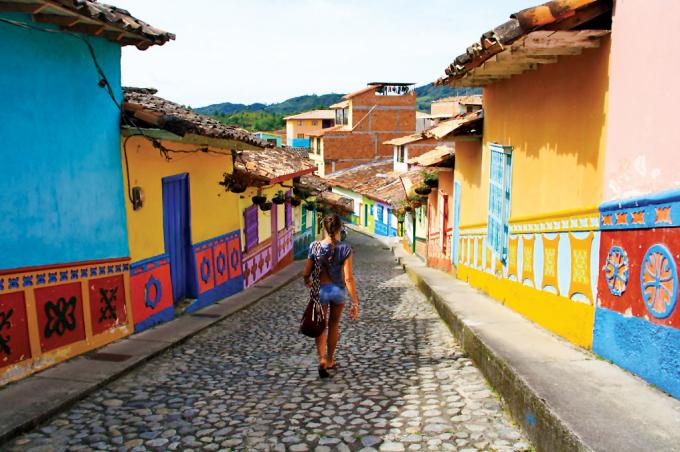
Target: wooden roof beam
<point>16,7</point>
<point>64,21</point>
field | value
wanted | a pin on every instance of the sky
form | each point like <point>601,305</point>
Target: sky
<point>246,51</point>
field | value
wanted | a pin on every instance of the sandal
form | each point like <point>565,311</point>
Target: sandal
<point>323,372</point>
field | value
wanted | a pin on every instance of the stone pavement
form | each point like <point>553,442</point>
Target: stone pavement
<point>249,382</point>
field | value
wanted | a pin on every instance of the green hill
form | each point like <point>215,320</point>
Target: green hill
<point>263,117</point>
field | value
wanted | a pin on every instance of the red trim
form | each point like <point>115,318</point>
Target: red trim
<point>290,176</point>
<point>70,264</point>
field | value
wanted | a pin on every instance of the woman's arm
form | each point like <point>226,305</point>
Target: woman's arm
<point>307,273</point>
<point>351,288</point>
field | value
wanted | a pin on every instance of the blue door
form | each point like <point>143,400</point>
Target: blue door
<point>177,230</point>
<point>456,223</point>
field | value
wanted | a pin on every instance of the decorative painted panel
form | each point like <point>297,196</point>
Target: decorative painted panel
<point>108,307</point>
<point>580,266</point>
<point>513,244</point>
<point>151,292</point>
<point>550,262</point>
<point>285,243</point>
<point>528,259</point>
<point>60,315</point>
<point>257,263</point>
<point>301,241</point>
<point>218,269</point>
<point>251,233</point>
<point>15,345</point>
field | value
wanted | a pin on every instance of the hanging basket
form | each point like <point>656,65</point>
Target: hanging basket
<point>258,199</point>
<point>238,188</point>
<point>310,206</point>
<point>295,202</point>
<point>278,201</point>
<point>432,181</point>
<point>423,190</point>
<point>408,208</point>
<point>266,206</point>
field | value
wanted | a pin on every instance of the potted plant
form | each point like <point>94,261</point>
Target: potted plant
<point>310,205</point>
<point>258,199</point>
<point>408,208</point>
<point>423,190</point>
<point>266,206</point>
<point>295,202</point>
<point>430,179</point>
<point>279,197</point>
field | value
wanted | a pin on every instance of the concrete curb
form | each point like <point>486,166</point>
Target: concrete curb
<point>63,385</point>
<point>562,396</point>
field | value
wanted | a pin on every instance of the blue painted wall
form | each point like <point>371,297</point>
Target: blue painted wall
<point>300,143</point>
<point>61,173</point>
<point>649,350</point>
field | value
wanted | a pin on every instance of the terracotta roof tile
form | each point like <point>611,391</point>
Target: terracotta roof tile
<point>313,114</point>
<point>92,17</point>
<point>273,164</point>
<point>147,109</point>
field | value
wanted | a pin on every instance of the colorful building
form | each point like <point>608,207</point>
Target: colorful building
<point>276,138</point>
<point>636,316</point>
<point>192,241</point>
<point>64,266</point>
<point>363,122</point>
<point>298,127</point>
<point>529,229</point>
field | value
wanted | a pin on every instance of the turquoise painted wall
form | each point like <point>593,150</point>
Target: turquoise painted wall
<point>61,174</point>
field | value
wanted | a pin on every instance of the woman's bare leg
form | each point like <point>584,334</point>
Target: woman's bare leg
<point>333,332</point>
<point>321,342</point>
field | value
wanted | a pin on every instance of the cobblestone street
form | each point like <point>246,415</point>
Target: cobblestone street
<point>250,383</point>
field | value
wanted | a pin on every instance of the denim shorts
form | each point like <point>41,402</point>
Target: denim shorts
<point>332,294</point>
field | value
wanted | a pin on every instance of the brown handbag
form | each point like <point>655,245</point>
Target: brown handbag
<point>313,321</point>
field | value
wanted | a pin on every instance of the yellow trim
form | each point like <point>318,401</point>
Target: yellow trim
<point>560,214</point>
<point>571,320</point>
<point>513,247</point>
<point>473,226</point>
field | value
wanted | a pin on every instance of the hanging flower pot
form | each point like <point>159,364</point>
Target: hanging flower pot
<point>295,202</point>
<point>238,188</point>
<point>423,190</point>
<point>266,206</point>
<point>279,198</point>
<point>310,205</point>
<point>431,179</point>
<point>258,199</point>
<point>408,208</point>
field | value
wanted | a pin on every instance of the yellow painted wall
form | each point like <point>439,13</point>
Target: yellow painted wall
<point>293,127</point>
<point>555,119</point>
<point>213,210</point>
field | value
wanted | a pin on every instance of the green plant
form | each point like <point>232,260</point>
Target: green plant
<point>431,179</point>
<point>423,190</point>
<point>310,205</point>
<point>279,197</point>
<point>266,206</point>
<point>258,199</point>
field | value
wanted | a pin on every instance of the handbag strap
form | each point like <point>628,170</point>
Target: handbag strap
<point>316,273</point>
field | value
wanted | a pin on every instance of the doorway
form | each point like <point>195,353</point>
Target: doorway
<point>177,233</point>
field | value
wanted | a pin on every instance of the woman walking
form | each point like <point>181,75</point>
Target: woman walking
<point>336,280</point>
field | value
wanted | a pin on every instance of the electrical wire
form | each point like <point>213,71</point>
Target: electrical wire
<point>104,83</point>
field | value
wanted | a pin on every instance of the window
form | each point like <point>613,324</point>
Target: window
<point>401,154</point>
<point>345,116</point>
<point>300,123</point>
<point>250,228</point>
<point>338,116</point>
<point>314,123</point>
<point>500,179</point>
<point>379,212</point>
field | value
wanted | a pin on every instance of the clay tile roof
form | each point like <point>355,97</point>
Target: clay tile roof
<point>365,179</point>
<point>465,100</point>
<point>466,123</point>
<point>322,132</point>
<point>273,165</point>
<point>343,104</point>
<point>531,37</point>
<point>438,155</point>
<point>91,17</point>
<point>406,139</point>
<point>313,114</point>
<point>145,109</point>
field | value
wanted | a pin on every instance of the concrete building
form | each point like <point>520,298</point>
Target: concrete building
<point>299,126</point>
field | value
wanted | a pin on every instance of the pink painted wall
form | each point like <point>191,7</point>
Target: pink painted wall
<point>643,132</point>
